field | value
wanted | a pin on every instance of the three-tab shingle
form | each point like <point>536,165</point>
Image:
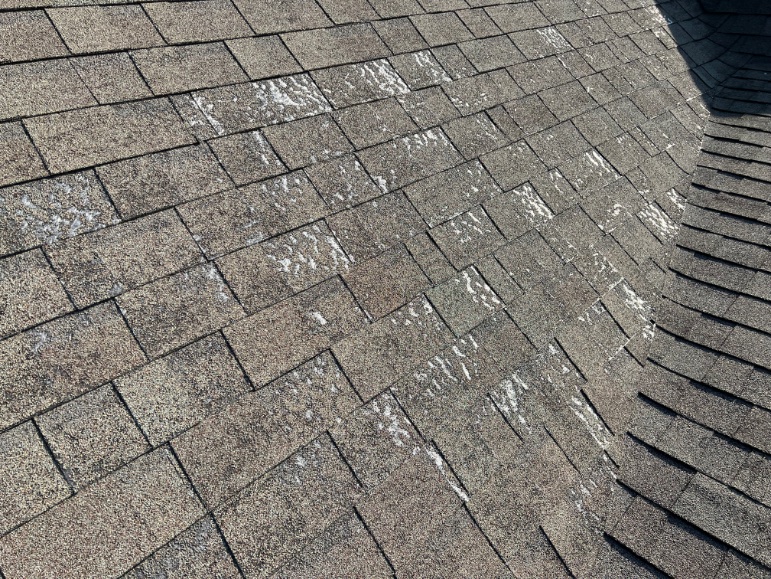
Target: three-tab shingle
<point>85,137</point>
<point>384,287</point>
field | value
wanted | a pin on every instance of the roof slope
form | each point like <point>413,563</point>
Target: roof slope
<point>384,287</point>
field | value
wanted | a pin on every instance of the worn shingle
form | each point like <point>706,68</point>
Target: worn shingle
<point>176,310</point>
<point>393,287</point>
<point>102,28</point>
<point>84,137</point>
<point>139,509</point>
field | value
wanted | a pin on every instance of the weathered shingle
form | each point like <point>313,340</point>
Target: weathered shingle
<point>102,28</point>
<point>393,287</point>
<point>85,137</point>
<point>139,509</point>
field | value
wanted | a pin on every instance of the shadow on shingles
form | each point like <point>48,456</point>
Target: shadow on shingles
<point>727,47</point>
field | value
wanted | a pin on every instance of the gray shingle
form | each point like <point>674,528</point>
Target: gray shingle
<point>20,160</point>
<point>387,281</point>
<point>200,21</point>
<point>419,69</point>
<point>447,194</point>
<point>47,210</point>
<point>102,28</point>
<point>320,48</point>
<point>307,493</point>
<point>41,87</point>
<point>179,69</point>
<point>234,219</point>
<point>121,508</point>
<point>111,77</point>
<point>464,300</point>
<point>197,550</point>
<point>28,35</point>
<point>85,137</point>
<point>441,28</point>
<point>408,159</point>
<point>372,227</point>
<point>467,237</point>
<point>373,123</point>
<point>307,141</point>
<point>377,356</point>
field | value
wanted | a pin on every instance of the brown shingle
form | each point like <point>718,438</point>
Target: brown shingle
<point>111,261</point>
<point>92,436</point>
<point>184,68</point>
<point>31,483</point>
<point>227,451</point>
<point>32,294</point>
<point>36,88</point>
<point>62,359</point>
<point>28,36</point>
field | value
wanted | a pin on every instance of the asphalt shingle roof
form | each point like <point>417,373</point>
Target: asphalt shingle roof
<point>363,288</point>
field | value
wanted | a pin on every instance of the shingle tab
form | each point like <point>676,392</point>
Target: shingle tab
<point>263,57</point>
<point>111,77</point>
<point>326,47</point>
<point>290,15</point>
<point>102,28</point>
<point>307,141</point>
<point>200,21</point>
<point>46,365</point>
<point>28,36</point>
<point>352,84</point>
<point>32,293</point>
<point>196,551</point>
<point>31,481</point>
<point>85,137</point>
<point>407,159</point>
<point>447,194</point>
<point>234,219</point>
<point>379,282</point>
<point>111,261</point>
<point>227,451</point>
<point>19,160</point>
<point>45,211</point>
<point>176,310</point>
<point>92,436</point>
<point>151,182</point>
<point>305,493</point>
<point>139,509</point>
<point>378,356</point>
<point>727,515</point>
<point>277,339</point>
<point>179,69</point>
<point>37,88</point>
<point>176,392</point>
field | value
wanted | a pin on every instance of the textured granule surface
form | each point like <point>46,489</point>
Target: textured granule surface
<point>364,288</point>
